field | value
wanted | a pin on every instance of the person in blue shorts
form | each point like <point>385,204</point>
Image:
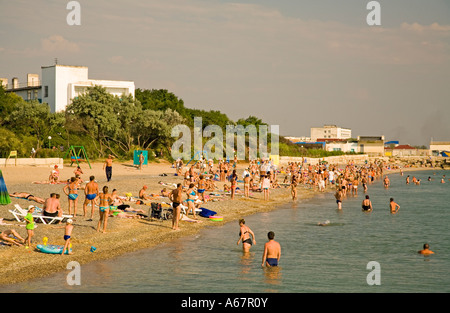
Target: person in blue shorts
<point>71,190</point>
<point>272,251</point>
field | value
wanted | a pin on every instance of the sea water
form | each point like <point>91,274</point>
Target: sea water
<point>332,258</point>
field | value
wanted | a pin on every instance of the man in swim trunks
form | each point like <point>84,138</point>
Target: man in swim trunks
<point>339,195</point>
<point>52,206</point>
<point>27,196</point>
<point>91,192</point>
<point>387,182</point>
<point>272,251</point>
<point>176,197</point>
<point>71,190</point>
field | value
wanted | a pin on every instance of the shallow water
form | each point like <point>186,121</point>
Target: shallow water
<point>332,258</point>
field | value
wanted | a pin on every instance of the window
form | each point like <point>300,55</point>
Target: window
<point>45,91</point>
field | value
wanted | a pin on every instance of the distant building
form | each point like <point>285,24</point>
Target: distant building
<point>297,139</point>
<point>406,150</point>
<point>440,148</point>
<point>330,132</point>
<point>343,145</point>
<point>60,84</point>
<point>371,145</point>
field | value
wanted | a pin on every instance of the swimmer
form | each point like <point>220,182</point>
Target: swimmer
<point>327,222</point>
<point>426,250</point>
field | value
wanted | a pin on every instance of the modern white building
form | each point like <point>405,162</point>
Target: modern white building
<point>330,132</point>
<point>60,84</point>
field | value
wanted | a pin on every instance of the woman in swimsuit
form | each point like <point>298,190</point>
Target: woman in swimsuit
<point>244,235</point>
<point>105,202</point>
<point>191,196</point>
<point>71,191</point>
<point>233,185</point>
<point>367,204</point>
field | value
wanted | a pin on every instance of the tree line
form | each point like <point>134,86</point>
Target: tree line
<point>107,124</point>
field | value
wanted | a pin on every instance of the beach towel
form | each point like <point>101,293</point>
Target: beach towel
<point>4,195</point>
<point>206,213</point>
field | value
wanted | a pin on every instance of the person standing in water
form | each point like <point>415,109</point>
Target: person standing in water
<point>246,235</point>
<point>367,204</point>
<point>272,251</point>
<point>339,195</point>
<point>393,206</point>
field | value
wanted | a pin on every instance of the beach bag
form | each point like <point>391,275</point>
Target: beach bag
<point>206,213</point>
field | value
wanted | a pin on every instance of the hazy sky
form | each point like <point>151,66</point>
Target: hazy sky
<point>293,63</point>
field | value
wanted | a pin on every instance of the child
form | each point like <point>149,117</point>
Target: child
<point>67,233</point>
<point>30,225</point>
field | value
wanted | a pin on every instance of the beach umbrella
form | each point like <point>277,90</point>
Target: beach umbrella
<point>4,195</point>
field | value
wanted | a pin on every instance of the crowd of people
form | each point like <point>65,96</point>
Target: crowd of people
<point>202,179</point>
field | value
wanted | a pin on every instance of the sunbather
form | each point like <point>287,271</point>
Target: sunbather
<point>27,196</point>
<point>5,236</point>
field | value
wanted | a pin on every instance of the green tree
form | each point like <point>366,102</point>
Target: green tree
<point>8,102</point>
<point>156,126</point>
<point>97,112</point>
<point>31,117</point>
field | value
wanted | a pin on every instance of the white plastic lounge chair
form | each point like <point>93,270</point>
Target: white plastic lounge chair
<point>20,213</point>
<point>183,209</point>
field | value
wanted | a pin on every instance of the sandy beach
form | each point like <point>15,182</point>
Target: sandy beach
<point>123,234</point>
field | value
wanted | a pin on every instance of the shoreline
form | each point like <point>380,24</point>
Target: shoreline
<point>123,235</point>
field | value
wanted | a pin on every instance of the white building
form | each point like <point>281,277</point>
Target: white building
<point>298,139</point>
<point>62,83</point>
<point>330,132</point>
<point>439,147</point>
<point>344,146</point>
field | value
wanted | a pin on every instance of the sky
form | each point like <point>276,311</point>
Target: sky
<point>293,63</point>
